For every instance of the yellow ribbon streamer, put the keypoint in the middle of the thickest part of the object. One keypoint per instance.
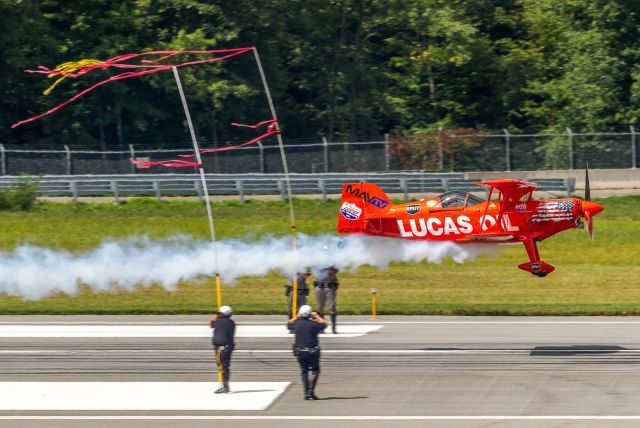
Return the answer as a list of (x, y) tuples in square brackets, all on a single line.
[(68, 68)]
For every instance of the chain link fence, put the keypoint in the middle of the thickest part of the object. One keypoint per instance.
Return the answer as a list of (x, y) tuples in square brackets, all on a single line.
[(451, 153)]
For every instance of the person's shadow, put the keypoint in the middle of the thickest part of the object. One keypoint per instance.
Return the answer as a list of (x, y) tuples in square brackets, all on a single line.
[(252, 390), (342, 398)]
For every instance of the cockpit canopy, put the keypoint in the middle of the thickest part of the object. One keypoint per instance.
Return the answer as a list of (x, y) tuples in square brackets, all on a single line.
[(458, 198)]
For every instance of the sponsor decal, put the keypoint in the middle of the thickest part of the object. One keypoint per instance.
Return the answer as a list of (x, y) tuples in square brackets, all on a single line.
[(350, 211), (521, 208), (506, 224), (487, 222), (413, 209), (461, 225), (535, 266), (553, 211), (434, 226), (492, 205), (376, 201), (353, 191), (487, 219)]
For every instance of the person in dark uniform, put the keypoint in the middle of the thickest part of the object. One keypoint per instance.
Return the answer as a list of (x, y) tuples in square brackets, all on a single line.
[(224, 331), (326, 291), (306, 348), (303, 292)]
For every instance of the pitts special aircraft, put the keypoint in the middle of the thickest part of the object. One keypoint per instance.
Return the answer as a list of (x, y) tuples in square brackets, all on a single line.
[(462, 217)]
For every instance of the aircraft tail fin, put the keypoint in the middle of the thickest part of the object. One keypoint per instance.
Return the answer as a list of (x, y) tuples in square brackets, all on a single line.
[(359, 201)]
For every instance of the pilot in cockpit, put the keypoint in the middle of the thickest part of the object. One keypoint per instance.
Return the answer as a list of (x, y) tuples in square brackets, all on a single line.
[(457, 198)]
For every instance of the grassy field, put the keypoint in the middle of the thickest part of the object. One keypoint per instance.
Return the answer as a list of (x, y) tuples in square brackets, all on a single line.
[(591, 278)]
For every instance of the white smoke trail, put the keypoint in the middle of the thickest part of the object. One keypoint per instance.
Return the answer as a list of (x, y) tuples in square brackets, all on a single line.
[(34, 272)]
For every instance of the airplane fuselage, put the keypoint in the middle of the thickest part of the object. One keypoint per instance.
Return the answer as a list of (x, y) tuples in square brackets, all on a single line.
[(482, 222)]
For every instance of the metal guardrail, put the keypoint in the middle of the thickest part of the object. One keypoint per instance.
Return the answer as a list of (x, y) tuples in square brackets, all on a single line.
[(243, 185)]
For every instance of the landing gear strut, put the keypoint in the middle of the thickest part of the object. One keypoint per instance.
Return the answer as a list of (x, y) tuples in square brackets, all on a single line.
[(535, 265)]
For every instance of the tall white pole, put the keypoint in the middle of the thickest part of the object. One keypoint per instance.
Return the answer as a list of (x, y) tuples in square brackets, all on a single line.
[(205, 190), (285, 168), (633, 146), (570, 142), (507, 142)]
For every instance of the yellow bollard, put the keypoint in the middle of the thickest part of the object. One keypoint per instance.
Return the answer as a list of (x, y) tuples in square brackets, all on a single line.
[(218, 291), (294, 296), (373, 303)]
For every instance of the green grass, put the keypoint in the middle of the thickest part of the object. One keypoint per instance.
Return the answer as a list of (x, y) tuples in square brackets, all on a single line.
[(81, 226), (600, 277)]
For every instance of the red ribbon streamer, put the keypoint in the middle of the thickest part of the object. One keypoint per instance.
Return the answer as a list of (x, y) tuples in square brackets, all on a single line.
[(179, 163), (174, 163), (272, 123), (149, 67)]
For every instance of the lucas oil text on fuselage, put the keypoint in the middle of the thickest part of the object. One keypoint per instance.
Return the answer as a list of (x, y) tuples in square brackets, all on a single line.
[(462, 217)]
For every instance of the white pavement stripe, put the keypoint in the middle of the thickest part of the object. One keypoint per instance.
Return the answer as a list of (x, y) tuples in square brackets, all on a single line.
[(79, 330), (18, 396), (379, 321), (505, 322), (108, 323), (329, 418), (324, 351)]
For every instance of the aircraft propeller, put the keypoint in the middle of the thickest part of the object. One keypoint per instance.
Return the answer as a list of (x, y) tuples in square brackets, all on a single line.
[(589, 209)]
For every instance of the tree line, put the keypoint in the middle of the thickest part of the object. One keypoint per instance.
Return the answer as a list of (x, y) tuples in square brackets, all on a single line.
[(345, 69)]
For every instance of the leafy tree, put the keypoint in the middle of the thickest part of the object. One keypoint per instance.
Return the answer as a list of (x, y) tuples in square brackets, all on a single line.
[(346, 69), (25, 40), (579, 82)]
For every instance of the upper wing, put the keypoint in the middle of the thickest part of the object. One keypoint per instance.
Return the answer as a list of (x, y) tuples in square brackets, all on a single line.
[(508, 187)]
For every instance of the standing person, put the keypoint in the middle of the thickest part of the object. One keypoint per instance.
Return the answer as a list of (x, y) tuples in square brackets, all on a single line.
[(303, 292), (224, 331), (306, 348), (326, 291)]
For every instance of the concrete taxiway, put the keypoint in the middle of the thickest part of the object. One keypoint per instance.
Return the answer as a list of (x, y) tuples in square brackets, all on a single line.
[(140, 371)]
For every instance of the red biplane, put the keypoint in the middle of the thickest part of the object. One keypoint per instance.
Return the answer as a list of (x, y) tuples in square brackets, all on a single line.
[(514, 216)]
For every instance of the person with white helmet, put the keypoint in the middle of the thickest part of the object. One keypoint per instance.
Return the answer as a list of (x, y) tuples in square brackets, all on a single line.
[(224, 331), (306, 326)]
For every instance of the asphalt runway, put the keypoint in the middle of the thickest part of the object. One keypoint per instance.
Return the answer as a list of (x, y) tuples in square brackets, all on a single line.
[(413, 371)]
